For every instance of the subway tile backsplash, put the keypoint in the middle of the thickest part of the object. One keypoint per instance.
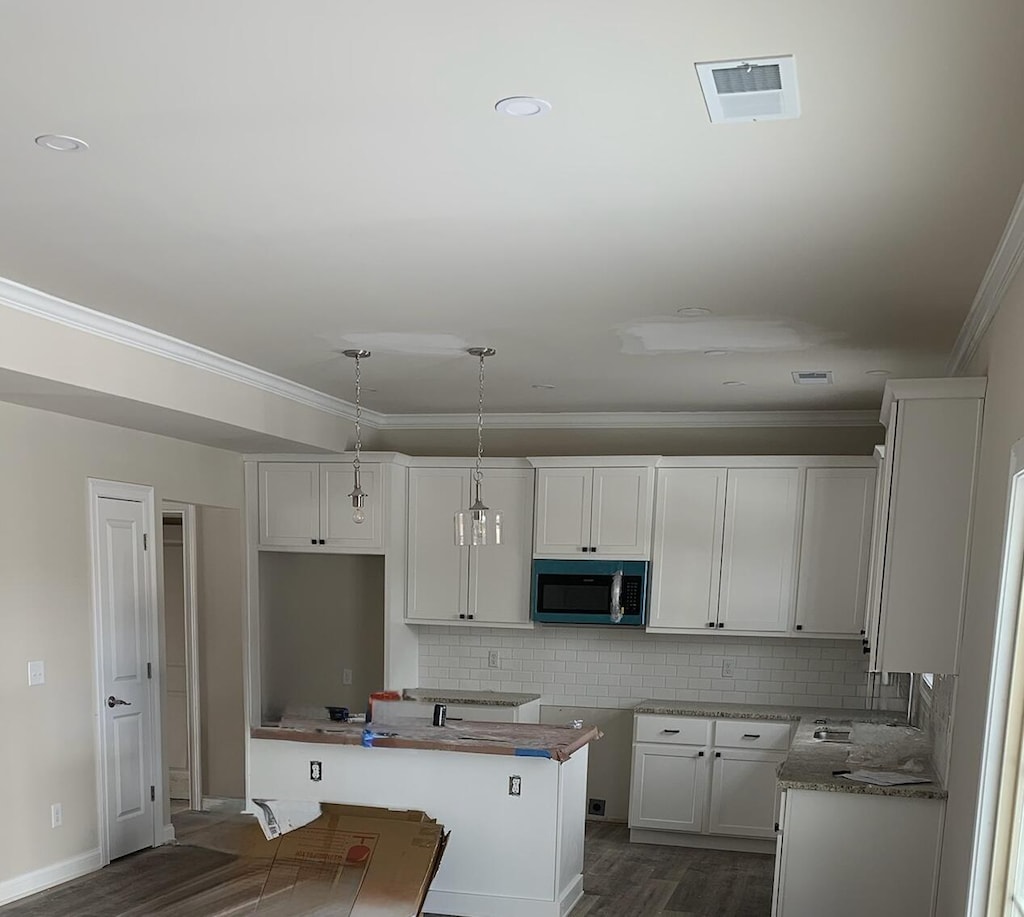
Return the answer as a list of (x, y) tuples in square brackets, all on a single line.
[(588, 667)]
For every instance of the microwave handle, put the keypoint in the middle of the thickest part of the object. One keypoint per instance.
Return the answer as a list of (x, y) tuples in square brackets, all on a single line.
[(615, 605)]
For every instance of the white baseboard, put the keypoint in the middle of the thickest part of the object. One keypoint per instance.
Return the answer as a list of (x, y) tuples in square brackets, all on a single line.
[(463, 904), (223, 804), (708, 842), (40, 879), (169, 836)]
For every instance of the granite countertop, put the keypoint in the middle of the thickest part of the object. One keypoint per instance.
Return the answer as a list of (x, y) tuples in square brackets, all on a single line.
[(880, 741), (470, 698), (517, 739)]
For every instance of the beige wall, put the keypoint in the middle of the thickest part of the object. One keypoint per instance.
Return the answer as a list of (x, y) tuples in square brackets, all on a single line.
[(49, 751), (220, 582), (584, 441), (1001, 359), (320, 614)]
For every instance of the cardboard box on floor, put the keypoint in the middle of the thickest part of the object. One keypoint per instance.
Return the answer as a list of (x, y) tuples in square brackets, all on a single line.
[(352, 861)]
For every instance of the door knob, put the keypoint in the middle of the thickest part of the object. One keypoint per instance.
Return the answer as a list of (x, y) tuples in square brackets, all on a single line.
[(116, 702)]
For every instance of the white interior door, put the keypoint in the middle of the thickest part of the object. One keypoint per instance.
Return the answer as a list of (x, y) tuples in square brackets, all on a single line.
[(124, 614)]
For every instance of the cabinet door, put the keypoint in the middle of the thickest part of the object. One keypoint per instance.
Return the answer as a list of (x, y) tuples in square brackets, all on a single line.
[(669, 787), (872, 604), (761, 512), (621, 512), (744, 793), (289, 504), (688, 525), (438, 578), (562, 526), (499, 576), (336, 525), (835, 542)]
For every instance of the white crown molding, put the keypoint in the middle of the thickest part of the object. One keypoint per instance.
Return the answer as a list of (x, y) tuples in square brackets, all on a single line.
[(1002, 269), (635, 420), (35, 302)]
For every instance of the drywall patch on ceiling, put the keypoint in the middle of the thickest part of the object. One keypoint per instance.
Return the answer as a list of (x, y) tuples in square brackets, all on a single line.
[(424, 344), (737, 334)]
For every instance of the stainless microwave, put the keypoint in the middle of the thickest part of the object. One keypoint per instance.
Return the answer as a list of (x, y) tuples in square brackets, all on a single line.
[(590, 592)]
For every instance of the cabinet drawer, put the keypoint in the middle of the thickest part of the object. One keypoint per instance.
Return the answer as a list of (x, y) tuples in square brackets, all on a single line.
[(753, 734), (673, 730)]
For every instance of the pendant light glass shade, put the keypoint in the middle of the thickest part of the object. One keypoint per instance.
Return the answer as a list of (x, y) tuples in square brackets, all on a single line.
[(358, 495), (478, 525)]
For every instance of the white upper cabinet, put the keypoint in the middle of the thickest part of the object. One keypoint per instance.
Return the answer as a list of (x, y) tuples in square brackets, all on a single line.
[(336, 524), (563, 511), (923, 536), (499, 577), (485, 585), (603, 512), (289, 503), (689, 520), (834, 548), (438, 580), (761, 521), (306, 504)]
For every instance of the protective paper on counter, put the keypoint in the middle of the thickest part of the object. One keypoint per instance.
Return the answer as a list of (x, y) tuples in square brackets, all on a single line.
[(884, 778)]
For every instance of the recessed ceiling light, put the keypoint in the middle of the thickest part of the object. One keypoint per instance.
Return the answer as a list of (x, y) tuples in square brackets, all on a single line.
[(693, 311), (523, 106), (62, 143), (877, 372), (716, 353), (734, 382), (544, 385)]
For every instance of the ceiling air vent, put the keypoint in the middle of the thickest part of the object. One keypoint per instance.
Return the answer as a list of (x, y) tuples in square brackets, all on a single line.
[(755, 89), (813, 377)]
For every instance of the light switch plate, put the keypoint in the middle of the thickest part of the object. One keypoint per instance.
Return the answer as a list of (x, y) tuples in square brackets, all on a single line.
[(346, 676), (36, 673)]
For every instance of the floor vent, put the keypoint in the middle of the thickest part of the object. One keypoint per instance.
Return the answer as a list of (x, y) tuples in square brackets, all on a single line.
[(754, 89)]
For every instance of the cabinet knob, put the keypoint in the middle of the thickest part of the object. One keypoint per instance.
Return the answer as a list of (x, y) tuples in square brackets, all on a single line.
[(799, 627), (776, 827), (718, 754), (593, 549), (312, 541), (322, 541), (721, 623), (470, 617), (462, 616), (584, 550), (700, 754), (867, 649), (711, 623)]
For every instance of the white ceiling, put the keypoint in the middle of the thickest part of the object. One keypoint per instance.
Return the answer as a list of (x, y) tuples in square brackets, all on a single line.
[(271, 180)]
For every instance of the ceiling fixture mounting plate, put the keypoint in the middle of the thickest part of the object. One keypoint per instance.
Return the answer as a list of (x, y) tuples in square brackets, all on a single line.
[(750, 89), (693, 311), (813, 377), (876, 372), (523, 106), (61, 143), (734, 382)]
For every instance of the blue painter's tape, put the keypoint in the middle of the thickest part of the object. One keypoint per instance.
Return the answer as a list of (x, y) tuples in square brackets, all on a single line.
[(368, 736), (532, 753)]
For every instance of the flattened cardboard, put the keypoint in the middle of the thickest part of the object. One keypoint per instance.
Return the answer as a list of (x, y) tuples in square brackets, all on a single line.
[(352, 861)]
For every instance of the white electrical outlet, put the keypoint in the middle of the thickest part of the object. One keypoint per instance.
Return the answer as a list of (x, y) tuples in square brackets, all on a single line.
[(56, 815), (728, 668), (346, 676), (36, 673), (493, 660)]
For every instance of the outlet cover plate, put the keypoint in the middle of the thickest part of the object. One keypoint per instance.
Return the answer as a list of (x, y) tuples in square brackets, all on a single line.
[(493, 659), (728, 668)]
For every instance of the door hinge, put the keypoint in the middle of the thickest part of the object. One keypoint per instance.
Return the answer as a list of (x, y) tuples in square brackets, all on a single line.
[(145, 541), (149, 670), (152, 794)]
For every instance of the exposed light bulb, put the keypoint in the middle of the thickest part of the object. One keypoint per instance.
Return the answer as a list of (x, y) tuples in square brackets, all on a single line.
[(358, 516)]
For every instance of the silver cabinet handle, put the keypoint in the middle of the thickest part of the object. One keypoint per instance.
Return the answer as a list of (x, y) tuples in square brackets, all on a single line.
[(117, 702)]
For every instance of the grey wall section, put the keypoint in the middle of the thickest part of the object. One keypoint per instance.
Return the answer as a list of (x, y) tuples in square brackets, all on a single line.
[(320, 614), (1000, 358), (686, 441), (46, 609), (220, 582)]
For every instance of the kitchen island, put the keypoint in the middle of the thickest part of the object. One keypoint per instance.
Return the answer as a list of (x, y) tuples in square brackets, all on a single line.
[(513, 796)]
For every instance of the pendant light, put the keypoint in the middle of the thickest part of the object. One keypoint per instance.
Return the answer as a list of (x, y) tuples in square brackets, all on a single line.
[(358, 495), (478, 525)]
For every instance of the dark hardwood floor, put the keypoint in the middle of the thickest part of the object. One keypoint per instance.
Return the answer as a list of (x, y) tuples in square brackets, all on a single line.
[(202, 875)]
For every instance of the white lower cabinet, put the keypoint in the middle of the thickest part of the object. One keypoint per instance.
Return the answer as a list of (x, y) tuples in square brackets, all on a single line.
[(669, 787), (847, 855), (699, 776)]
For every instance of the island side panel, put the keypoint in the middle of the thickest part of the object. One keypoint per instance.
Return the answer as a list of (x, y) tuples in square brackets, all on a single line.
[(501, 845), (572, 822)]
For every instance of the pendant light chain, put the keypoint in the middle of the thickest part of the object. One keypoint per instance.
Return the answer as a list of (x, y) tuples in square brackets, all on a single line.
[(359, 410), (478, 475)]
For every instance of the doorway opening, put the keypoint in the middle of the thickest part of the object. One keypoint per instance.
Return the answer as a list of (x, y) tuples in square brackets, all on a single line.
[(183, 709)]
